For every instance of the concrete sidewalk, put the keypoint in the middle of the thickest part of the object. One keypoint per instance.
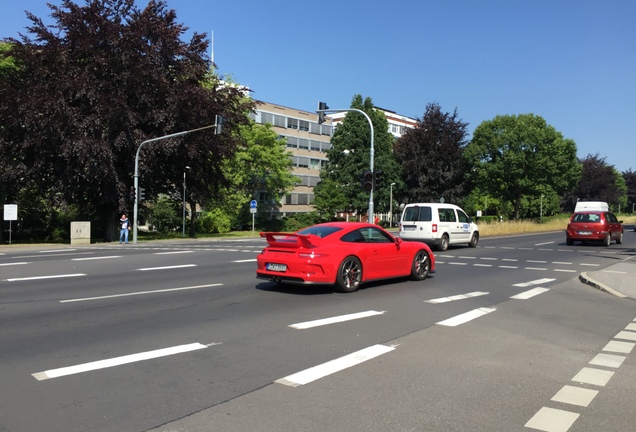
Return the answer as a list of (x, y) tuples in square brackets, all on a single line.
[(618, 279)]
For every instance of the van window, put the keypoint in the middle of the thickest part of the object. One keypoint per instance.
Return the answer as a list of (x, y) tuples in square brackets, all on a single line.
[(447, 215), (417, 214), (463, 218)]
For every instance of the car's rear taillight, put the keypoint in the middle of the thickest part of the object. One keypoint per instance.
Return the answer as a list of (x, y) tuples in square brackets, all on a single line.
[(434, 227)]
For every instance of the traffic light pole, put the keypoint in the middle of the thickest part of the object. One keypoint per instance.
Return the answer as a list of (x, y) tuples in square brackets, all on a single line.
[(370, 212), (136, 179)]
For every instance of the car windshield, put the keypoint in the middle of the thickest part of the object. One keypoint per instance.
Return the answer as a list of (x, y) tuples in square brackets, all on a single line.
[(320, 231)]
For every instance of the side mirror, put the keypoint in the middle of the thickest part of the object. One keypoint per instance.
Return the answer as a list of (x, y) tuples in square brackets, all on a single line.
[(398, 240)]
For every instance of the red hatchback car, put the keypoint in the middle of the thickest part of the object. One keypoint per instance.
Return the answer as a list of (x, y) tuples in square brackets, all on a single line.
[(594, 226), (343, 254)]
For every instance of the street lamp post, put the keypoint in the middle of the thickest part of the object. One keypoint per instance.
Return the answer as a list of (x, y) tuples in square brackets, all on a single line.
[(391, 206), (541, 210), (320, 111), (136, 175), (184, 198)]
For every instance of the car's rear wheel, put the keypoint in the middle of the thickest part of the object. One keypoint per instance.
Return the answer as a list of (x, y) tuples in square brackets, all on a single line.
[(443, 244), (349, 275), (421, 265), (474, 239), (608, 240), (619, 240)]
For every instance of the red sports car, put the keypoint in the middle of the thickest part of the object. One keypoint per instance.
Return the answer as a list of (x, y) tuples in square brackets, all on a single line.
[(343, 254)]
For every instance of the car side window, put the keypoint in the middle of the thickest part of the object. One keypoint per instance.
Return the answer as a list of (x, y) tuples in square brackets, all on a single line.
[(463, 218), (353, 237), (611, 218), (447, 215), (374, 235)]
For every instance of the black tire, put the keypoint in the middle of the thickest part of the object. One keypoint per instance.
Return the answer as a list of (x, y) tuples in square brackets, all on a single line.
[(619, 240), (349, 275), (474, 239), (569, 241), (443, 245), (421, 265), (608, 240)]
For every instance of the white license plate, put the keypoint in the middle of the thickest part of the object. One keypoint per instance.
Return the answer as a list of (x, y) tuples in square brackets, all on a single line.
[(585, 233), (409, 228), (276, 267)]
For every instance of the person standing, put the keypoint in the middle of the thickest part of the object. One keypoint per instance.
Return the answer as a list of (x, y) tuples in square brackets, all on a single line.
[(124, 225)]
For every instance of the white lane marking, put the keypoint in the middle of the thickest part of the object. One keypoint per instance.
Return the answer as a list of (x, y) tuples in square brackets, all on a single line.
[(564, 270), (561, 262), (536, 262), (336, 319), (458, 263), (140, 293), (619, 347), (467, 257), (510, 259), (575, 396), (552, 420), (56, 250), (46, 277), (626, 335), (631, 326), (535, 268), (530, 293), (167, 267), (488, 258), (457, 297), (15, 263), (172, 253), (534, 282), (482, 265), (593, 376), (96, 258), (589, 265), (57, 255), (543, 244), (116, 361), (333, 366), (608, 360), (465, 317), (245, 260), (509, 267)]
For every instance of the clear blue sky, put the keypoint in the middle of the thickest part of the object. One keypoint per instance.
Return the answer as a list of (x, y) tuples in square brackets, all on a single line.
[(572, 62)]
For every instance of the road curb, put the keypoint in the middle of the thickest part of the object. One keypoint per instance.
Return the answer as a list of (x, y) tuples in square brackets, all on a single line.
[(583, 277)]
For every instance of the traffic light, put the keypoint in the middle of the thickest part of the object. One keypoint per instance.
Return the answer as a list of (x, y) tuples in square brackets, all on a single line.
[(142, 194), (321, 115), (377, 179), (218, 122), (132, 193), (367, 181)]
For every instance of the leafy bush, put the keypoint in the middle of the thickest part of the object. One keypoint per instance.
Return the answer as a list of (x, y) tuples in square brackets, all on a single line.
[(214, 221)]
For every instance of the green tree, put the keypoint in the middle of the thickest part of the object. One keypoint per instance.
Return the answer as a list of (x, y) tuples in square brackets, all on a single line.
[(89, 89), (516, 156), (630, 183), (349, 157), (329, 198), (599, 182), (431, 157), (261, 165)]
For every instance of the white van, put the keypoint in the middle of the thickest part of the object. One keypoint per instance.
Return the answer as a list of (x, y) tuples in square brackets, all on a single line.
[(438, 225)]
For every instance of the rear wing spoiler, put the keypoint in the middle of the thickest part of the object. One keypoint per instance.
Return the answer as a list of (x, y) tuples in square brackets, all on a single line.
[(290, 240)]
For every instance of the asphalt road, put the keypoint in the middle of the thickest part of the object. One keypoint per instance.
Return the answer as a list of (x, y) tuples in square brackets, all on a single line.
[(182, 337)]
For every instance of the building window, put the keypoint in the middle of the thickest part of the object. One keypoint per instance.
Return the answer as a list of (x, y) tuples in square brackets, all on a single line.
[(279, 121), (314, 164), (292, 123), (303, 125), (303, 144)]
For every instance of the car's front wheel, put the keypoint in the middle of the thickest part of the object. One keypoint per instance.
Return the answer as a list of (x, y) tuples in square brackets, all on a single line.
[(569, 241), (421, 265), (349, 275), (474, 239)]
